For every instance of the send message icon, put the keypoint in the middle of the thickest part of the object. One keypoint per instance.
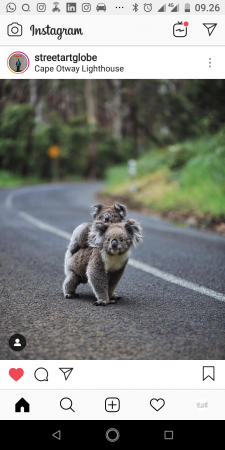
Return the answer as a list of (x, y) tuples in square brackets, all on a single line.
[(209, 372)]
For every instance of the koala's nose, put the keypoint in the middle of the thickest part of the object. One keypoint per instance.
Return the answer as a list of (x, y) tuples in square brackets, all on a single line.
[(106, 217), (114, 243)]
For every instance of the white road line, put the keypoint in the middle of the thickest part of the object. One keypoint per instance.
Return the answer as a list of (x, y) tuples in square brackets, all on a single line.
[(8, 201), (132, 262), (44, 226), (176, 280)]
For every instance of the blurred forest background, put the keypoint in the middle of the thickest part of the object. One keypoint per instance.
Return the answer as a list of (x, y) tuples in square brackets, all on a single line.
[(174, 129)]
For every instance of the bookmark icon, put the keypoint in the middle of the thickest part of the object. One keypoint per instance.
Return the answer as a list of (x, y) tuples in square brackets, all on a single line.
[(209, 372)]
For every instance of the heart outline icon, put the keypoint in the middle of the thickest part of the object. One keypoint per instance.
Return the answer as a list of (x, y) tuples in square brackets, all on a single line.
[(157, 400), (16, 374)]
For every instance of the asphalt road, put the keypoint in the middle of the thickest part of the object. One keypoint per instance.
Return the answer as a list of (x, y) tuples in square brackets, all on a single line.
[(156, 319)]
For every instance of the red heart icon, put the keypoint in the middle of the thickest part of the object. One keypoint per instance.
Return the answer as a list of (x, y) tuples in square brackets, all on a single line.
[(16, 374)]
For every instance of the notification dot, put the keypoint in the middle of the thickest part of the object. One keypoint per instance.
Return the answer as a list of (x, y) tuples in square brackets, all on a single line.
[(186, 24)]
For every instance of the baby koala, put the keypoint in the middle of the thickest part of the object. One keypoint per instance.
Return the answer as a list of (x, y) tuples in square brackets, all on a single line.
[(107, 214), (102, 265)]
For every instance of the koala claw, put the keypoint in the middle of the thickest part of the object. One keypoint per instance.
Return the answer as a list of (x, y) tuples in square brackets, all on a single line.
[(98, 303), (101, 303), (116, 297), (71, 295)]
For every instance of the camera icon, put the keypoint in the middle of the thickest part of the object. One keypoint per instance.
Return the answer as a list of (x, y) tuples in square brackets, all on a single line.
[(14, 29), (86, 7), (41, 7)]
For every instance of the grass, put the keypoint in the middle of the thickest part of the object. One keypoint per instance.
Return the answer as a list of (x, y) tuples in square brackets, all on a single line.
[(7, 179), (188, 177)]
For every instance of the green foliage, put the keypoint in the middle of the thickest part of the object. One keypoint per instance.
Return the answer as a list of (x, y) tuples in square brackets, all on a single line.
[(75, 137), (44, 136), (163, 124), (189, 177), (7, 179), (110, 151), (16, 127)]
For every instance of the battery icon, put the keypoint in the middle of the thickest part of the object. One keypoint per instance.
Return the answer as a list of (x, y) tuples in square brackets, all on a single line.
[(187, 7)]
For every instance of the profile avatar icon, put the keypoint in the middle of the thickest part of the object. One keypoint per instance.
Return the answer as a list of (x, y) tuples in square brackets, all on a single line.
[(17, 342), (18, 62)]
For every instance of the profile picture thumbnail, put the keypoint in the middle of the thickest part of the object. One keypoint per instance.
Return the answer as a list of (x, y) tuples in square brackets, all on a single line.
[(18, 62)]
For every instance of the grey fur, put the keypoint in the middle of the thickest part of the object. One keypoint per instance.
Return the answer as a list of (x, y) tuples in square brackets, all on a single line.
[(96, 209), (102, 266), (122, 210), (79, 239)]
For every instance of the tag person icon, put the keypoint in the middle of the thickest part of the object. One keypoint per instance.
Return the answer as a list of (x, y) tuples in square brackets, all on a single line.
[(17, 342)]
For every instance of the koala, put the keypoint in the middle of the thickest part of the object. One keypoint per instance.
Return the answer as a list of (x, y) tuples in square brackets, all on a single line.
[(102, 265), (106, 214)]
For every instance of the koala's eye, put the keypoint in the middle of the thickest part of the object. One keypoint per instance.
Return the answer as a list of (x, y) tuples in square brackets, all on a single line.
[(108, 239), (121, 239)]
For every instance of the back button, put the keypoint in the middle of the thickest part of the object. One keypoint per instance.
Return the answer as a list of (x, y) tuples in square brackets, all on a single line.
[(57, 435)]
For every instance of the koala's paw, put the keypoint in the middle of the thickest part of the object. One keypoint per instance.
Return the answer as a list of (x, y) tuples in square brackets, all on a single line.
[(71, 295), (101, 303), (116, 297)]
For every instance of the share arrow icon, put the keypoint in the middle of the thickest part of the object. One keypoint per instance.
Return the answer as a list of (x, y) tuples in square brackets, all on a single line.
[(66, 372), (210, 27)]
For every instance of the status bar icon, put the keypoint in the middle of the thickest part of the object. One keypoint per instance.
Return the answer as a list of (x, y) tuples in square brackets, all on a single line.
[(187, 7), (176, 9), (163, 9)]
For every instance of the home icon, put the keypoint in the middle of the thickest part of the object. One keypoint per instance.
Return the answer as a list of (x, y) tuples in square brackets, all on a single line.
[(22, 405)]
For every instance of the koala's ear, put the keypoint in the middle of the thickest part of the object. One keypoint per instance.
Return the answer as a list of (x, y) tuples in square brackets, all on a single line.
[(96, 210), (121, 209), (96, 233), (135, 230)]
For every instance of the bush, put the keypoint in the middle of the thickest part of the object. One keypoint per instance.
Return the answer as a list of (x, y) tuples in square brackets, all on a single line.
[(16, 128)]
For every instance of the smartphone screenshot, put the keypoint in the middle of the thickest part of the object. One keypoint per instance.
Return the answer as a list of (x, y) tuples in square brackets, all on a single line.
[(112, 223)]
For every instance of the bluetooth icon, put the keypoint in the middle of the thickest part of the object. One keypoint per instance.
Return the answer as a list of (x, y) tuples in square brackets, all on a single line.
[(135, 7)]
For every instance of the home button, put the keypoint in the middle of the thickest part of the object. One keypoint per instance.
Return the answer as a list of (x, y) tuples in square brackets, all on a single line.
[(112, 435), (22, 404)]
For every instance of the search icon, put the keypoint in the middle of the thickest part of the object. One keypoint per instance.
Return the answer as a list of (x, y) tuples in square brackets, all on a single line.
[(26, 7), (41, 374), (66, 403)]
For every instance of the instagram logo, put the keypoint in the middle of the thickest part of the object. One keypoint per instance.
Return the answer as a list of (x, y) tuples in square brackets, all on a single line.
[(86, 7), (41, 7)]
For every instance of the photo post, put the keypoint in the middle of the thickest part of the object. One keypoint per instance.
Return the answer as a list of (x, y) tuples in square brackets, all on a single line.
[(112, 219)]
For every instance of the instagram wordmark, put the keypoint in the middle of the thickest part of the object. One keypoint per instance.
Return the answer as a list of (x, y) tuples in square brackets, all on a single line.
[(49, 31)]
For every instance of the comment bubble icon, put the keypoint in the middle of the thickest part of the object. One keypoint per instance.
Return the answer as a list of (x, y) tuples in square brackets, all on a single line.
[(41, 374)]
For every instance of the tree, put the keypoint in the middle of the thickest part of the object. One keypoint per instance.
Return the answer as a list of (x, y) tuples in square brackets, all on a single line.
[(92, 123)]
